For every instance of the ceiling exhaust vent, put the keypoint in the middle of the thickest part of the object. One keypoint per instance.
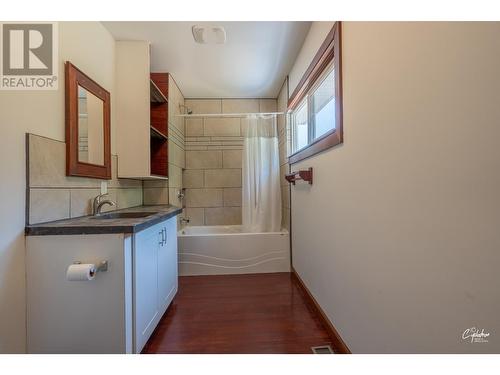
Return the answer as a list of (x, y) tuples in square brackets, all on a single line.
[(209, 34), (325, 349)]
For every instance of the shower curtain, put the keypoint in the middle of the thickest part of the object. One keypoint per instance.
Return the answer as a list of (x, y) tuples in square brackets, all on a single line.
[(261, 204)]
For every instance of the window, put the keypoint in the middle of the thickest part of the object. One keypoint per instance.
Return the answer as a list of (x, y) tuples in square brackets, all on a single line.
[(315, 115), (323, 106), (300, 129), (315, 106)]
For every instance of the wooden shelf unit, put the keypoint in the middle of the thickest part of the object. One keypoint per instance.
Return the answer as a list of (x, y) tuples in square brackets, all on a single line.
[(155, 133), (159, 124), (157, 95)]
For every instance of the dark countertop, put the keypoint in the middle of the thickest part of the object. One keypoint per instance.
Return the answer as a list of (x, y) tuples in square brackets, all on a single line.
[(91, 225)]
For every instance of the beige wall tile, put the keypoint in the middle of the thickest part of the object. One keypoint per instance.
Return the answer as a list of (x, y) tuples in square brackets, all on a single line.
[(176, 154), (268, 105), (236, 140), (204, 105), (194, 127), (155, 195), (282, 153), (283, 172), (232, 197), (285, 196), (282, 100), (281, 127), (240, 105), (174, 176), (81, 201), (47, 165), (234, 147), (285, 218), (155, 183), (196, 148), (203, 159), (223, 178), (173, 197), (196, 216), (49, 205), (204, 198), (193, 178), (232, 158), (128, 198), (175, 98), (47, 168), (220, 126), (174, 132), (244, 126), (223, 216)]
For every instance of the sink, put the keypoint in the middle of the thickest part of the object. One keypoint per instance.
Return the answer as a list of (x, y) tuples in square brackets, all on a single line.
[(124, 215)]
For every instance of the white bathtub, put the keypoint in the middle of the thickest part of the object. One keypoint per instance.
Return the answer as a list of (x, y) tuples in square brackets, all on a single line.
[(223, 250)]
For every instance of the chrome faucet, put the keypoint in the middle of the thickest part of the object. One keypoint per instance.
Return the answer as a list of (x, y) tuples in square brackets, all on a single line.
[(184, 220), (98, 203)]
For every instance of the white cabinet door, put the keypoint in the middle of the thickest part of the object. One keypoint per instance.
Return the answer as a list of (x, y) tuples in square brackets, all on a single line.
[(167, 266), (146, 311)]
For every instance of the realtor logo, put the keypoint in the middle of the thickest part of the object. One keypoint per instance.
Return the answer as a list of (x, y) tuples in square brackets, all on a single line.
[(28, 56)]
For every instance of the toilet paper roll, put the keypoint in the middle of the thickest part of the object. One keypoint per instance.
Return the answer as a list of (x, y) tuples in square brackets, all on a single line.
[(81, 272)]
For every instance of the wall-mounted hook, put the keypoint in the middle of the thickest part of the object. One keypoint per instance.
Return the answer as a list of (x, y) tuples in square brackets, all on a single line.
[(305, 175)]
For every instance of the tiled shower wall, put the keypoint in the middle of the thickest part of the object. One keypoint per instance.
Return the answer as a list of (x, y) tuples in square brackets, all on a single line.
[(51, 195), (163, 192), (212, 177)]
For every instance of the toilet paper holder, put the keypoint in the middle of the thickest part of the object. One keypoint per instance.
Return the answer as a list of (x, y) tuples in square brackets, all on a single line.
[(101, 267)]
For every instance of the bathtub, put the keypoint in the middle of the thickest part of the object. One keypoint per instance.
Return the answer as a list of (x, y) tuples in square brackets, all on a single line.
[(224, 250)]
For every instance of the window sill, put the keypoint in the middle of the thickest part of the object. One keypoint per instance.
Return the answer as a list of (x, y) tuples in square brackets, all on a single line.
[(323, 143)]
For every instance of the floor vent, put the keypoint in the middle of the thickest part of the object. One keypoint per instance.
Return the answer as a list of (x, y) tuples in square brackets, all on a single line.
[(325, 349)]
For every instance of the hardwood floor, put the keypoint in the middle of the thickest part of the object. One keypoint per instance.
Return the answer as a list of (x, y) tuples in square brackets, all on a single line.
[(258, 313)]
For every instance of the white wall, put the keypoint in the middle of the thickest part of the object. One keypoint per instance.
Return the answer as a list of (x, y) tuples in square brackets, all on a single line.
[(316, 36), (398, 238), (91, 48)]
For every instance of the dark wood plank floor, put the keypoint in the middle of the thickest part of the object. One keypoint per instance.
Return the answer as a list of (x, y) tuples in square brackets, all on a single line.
[(258, 313)]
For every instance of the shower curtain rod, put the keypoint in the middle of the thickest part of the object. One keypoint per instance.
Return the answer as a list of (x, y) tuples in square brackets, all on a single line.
[(229, 114)]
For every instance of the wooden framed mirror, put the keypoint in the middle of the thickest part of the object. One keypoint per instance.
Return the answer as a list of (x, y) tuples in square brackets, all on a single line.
[(88, 132)]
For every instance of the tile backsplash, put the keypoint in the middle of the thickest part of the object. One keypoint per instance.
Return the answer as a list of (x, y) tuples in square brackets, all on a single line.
[(51, 195)]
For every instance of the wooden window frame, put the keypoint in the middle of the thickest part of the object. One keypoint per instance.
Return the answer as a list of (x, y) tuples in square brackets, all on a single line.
[(330, 50)]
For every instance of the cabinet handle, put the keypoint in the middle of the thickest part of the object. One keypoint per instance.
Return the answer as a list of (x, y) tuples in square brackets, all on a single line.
[(165, 229), (162, 238)]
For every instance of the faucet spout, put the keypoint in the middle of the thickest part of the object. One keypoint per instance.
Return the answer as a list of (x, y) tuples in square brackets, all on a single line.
[(98, 203), (102, 203)]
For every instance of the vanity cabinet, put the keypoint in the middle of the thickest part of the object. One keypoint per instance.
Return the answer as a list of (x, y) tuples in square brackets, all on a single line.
[(117, 311), (155, 277)]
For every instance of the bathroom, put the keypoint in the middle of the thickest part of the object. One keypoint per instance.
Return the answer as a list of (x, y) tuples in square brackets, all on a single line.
[(249, 187)]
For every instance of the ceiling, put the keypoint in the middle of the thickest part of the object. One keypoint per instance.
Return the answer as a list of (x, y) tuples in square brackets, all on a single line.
[(253, 62)]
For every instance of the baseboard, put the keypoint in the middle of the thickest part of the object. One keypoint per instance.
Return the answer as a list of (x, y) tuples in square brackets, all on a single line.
[(339, 345)]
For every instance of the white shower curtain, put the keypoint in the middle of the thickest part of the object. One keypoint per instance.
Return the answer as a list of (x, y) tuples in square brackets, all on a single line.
[(261, 205)]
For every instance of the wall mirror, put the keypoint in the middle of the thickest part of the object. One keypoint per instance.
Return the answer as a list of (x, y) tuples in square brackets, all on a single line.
[(88, 148)]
